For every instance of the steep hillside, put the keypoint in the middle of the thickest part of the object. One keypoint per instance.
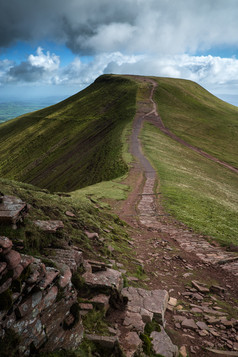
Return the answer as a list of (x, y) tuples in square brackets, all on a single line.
[(74, 143), (198, 117)]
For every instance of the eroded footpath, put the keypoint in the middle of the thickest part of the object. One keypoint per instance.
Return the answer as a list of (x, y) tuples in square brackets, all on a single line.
[(200, 277)]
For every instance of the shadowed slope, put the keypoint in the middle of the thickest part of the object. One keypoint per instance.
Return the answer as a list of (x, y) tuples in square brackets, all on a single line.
[(74, 143)]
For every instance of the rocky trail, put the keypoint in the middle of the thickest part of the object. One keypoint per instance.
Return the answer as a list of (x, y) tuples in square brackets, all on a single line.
[(200, 277)]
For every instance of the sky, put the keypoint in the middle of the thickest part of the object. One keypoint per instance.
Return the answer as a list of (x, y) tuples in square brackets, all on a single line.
[(58, 47)]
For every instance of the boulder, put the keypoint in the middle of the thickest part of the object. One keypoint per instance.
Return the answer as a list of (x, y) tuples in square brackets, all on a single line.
[(109, 278), (154, 301), (12, 258), (162, 344), (131, 344)]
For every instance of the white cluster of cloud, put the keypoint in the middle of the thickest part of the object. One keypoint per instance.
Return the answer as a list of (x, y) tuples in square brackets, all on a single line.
[(44, 68)]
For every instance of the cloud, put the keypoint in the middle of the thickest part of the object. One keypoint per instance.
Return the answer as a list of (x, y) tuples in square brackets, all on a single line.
[(129, 26), (44, 68), (40, 67)]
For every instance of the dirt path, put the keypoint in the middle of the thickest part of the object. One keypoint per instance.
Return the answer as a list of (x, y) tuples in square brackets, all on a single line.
[(173, 256)]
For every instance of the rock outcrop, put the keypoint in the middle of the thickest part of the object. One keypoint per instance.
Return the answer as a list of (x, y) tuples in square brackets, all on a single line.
[(38, 300)]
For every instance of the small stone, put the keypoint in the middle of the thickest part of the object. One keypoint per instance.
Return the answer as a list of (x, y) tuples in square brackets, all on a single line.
[(200, 287), (172, 301), (85, 306), (6, 244), (183, 351), (203, 333), (189, 324), (196, 309), (202, 325), (177, 325), (193, 350), (91, 235), (197, 296), (50, 226), (69, 214), (217, 289)]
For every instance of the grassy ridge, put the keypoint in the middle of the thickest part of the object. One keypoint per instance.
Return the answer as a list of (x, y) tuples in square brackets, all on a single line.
[(198, 192), (74, 143), (198, 117)]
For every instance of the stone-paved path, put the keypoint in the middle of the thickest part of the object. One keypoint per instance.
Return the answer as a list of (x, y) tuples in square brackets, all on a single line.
[(147, 207)]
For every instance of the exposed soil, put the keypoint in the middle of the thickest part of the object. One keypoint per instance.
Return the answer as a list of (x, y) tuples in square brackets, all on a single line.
[(173, 255)]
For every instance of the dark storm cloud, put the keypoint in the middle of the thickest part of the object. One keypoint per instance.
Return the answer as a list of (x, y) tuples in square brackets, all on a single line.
[(94, 26), (25, 72)]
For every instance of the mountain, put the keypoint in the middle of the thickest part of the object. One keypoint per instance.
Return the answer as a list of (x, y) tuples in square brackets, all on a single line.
[(150, 166), (74, 143)]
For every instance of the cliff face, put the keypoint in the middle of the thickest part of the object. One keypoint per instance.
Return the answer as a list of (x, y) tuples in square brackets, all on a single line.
[(38, 302)]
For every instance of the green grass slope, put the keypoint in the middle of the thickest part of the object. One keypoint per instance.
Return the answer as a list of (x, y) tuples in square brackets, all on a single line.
[(198, 117), (74, 143), (198, 192)]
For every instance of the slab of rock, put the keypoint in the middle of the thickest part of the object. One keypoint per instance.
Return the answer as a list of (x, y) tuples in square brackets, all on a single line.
[(49, 226), (50, 275), (104, 341), (200, 287), (65, 275), (101, 301), (37, 271), (162, 344), (217, 289), (70, 257), (154, 301), (202, 325), (132, 344), (189, 324), (223, 353), (12, 210), (97, 266), (133, 321), (104, 279)]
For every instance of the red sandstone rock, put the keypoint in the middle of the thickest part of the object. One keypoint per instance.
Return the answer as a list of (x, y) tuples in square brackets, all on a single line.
[(37, 271), (5, 285), (49, 226), (2, 266), (70, 257), (91, 235), (106, 279), (13, 258), (6, 244), (101, 301), (65, 275), (70, 214), (26, 260), (50, 275), (17, 271)]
